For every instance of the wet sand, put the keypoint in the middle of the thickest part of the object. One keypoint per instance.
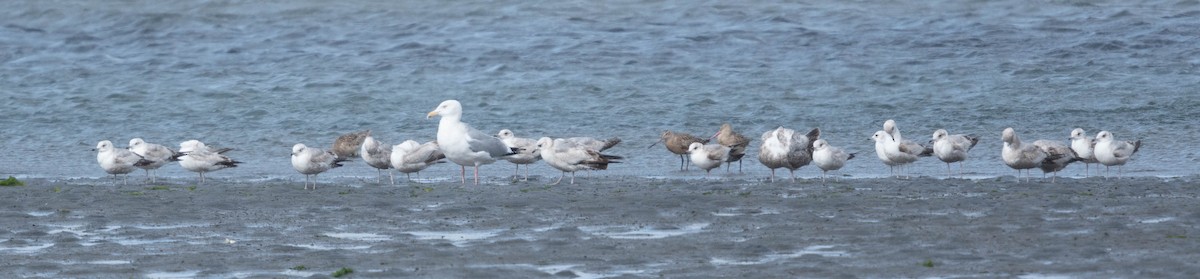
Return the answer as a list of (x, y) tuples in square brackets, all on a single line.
[(604, 227)]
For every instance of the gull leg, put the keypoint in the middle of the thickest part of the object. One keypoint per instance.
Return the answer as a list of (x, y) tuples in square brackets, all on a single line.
[(476, 174), (793, 172), (463, 174), (572, 178), (560, 178)]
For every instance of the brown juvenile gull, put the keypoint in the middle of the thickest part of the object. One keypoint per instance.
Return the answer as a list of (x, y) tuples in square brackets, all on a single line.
[(737, 144), (1020, 156), (1058, 156), (567, 157), (784, 148), (678, 143), (1110, 152)]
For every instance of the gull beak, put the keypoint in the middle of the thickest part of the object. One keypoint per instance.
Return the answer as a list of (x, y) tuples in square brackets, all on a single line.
[(431, 114)]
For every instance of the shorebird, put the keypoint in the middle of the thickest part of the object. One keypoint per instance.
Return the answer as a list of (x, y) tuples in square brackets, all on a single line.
[(347, 146), (737, 144), (708, 156), (678, 143)]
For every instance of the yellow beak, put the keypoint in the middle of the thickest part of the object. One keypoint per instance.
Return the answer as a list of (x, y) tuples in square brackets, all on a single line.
[(431, 114)]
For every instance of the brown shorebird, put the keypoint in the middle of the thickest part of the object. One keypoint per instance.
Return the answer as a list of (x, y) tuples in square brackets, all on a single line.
[(678, 143), (737, 144), (347, 146)]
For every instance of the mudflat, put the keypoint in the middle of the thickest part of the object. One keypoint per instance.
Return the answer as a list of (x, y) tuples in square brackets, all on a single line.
[(604, 226)]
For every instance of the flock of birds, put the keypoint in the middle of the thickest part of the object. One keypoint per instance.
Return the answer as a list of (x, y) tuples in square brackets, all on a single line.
[(461, 144)]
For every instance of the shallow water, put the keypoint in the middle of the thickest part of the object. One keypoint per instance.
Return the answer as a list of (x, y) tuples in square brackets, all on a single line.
[(261, 77)]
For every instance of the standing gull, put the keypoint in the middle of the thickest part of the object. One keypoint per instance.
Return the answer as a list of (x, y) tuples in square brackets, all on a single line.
[(952, 148), (409, 157), (567, 156), (311, 161), (904, 151), (1058, 155), (783, 148), (1083, 147), (347, 146), (527, 151), (708, 156), (117, 161), (377, 155), (463, 144), (737, 144), (678, 143), (157, 154), (1020, 156), (1110, 152), (828, 157), (593, 143), (201, 159)]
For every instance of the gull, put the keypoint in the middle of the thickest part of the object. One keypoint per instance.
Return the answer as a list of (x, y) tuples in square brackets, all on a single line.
[(737, 144), (828, 157), (192, 145), (897, 154), (1058, 156), (904, 151), (118, 161), (347, 146), (1110, 152), (952, 148), (783, 148), (527, 151), (158, 155), (708, 156), (1020, 156), (593, 143), (377, 155), (567, 156), (409, 157), (311, 161), (201, 159), (463, 144), (678, 143), (1083, 147)]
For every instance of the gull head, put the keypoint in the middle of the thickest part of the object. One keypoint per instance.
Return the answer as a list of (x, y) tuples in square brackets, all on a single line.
[(505, 134), (820, 144), (135, 142), (1104, 136), (446, 108), (940, 134), (1078, 134), (881, 136), (696, 146), (103, 146), (545, 143), (1009, 135), (296, 149)]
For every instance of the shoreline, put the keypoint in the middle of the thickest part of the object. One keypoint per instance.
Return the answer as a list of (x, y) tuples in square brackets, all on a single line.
[(617, 227)]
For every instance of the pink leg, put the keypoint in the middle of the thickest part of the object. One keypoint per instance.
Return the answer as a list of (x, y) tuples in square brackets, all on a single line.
[(463, 174)]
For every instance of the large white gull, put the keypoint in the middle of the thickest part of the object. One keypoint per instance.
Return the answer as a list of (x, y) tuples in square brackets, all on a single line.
[(311, 161), (463, 144), (952, 148), (1110, 152), (157, 154), (116, 161)]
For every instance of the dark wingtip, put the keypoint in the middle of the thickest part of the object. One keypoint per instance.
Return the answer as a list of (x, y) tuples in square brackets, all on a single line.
[(851, 156)]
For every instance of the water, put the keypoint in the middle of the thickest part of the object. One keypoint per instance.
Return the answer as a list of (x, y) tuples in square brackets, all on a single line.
[(261, 77)]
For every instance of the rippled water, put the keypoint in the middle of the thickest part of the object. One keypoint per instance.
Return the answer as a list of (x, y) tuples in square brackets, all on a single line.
[(261, 76)]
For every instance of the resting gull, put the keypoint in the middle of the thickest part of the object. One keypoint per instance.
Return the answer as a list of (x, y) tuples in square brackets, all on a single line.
[(567, 156), (311, 161), (199, 158), (117, 161), (737, 144), (409, 157), (1020, 156), (1083, 147), (377, 155), (157, 154), (526, 149), (708, 156), (1110, 152), (828, 157), (784, 148), (952, 148)]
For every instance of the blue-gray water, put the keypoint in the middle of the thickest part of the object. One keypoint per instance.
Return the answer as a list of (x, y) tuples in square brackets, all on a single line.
[(262, 76)]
